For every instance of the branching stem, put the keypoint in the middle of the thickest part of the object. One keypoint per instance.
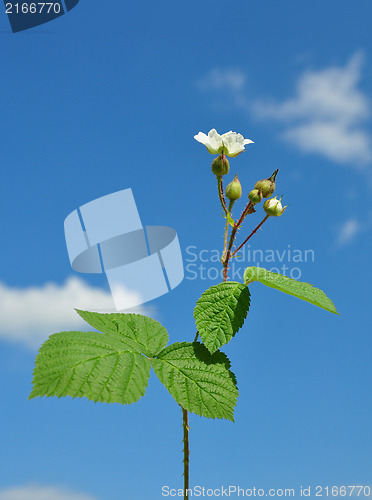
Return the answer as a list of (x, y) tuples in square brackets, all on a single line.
[(249, 209), (250, 236)]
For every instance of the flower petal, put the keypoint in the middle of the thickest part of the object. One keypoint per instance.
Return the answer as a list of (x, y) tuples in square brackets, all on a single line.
[(233, 142), (212, 141), (201, 137), (215, 142)]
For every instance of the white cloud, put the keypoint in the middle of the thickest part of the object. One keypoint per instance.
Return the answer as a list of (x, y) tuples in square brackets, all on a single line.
[(223, 79), (348, 231), (333, 141), (34, 492), (30, 315), (327, 114)]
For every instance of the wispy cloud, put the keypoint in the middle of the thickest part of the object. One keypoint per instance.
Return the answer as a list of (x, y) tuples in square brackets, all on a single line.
[(33, 492), (348, 231), (30, 315), (327, 114), (230, 79)]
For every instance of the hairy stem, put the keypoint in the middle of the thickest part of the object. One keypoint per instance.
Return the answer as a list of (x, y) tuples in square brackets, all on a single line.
[(226, 230), (249, 209), (186, 453), (250, 236), (220, 195)]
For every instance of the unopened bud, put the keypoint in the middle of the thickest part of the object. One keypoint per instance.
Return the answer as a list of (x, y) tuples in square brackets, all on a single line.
[(267, 186), (220, 165), (234, 189), (274, 207), (255, 196)]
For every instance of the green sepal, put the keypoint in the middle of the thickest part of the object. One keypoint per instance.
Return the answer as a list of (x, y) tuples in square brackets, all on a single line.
[(229, 219)]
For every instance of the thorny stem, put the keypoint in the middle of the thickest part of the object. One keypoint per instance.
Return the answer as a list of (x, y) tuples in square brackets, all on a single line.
[(226, 230), (220, 194), (186, 454), (250, 236), (249, 209)]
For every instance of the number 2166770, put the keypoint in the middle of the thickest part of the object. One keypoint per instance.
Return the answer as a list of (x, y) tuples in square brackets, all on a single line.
[(343, 491), (33, 8)]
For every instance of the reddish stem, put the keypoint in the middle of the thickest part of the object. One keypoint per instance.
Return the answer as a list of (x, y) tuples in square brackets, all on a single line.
[(250, 236), (249, 209)]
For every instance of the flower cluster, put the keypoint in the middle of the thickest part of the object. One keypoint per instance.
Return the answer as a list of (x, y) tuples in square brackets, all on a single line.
[(232, 144)]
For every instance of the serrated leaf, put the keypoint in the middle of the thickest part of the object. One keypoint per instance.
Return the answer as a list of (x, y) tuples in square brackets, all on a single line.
[(299, 289), (150, 334), (220, 312), (200, 382), (101, 367)]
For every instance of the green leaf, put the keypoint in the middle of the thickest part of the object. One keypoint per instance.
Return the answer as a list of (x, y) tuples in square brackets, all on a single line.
[(229, 219), (151, 335), (301, 290), (101, 367), (200, 382), (220, 312)]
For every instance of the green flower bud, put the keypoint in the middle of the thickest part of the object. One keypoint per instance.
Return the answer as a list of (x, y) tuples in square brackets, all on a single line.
[(234, 189), (274, 207), (220, 165), (255, 196), (267, 186)]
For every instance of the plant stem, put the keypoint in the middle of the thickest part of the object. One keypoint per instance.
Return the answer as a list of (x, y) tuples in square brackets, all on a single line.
[(220, 194), (249, 209), (250, 236), (226, 230), (186, 454)]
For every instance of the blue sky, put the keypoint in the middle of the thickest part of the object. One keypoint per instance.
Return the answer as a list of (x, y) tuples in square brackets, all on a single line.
[(109, 97)]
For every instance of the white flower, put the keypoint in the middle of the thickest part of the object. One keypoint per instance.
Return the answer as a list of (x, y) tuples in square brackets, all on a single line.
[(234, 143), (230, 143)]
